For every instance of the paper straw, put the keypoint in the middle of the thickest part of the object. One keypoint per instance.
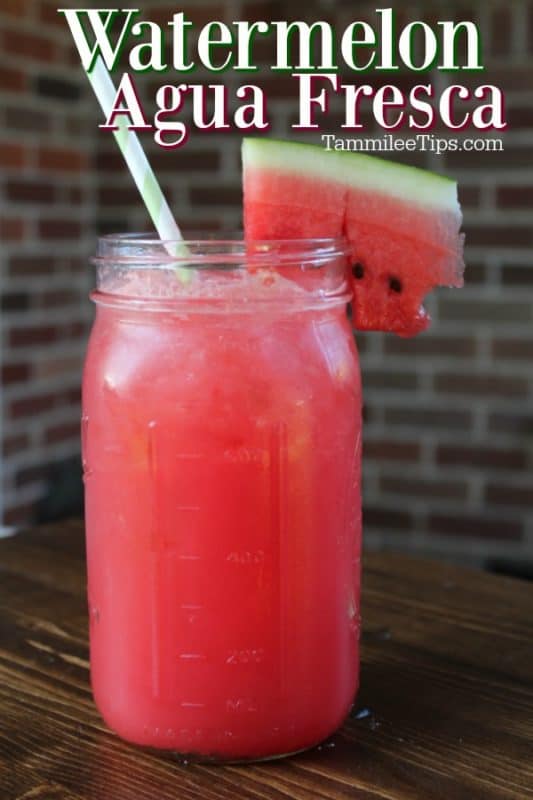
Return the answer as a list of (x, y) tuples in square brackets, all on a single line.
[(137, 162)]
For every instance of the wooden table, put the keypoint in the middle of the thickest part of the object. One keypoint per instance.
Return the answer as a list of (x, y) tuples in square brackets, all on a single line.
[(444, 712)]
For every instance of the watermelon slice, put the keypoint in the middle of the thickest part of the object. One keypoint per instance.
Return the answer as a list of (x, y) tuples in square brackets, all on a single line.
[(402, 223)]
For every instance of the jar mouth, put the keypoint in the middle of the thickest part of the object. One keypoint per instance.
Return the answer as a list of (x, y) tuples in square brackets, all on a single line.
[(138, 250), (229, 273)]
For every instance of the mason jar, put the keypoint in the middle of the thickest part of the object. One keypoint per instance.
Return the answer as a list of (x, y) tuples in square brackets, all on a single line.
[(221, 446)]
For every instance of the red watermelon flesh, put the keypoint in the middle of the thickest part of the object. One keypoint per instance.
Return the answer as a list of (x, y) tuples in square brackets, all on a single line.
[(402, 223), (278, 207), (399, 253)]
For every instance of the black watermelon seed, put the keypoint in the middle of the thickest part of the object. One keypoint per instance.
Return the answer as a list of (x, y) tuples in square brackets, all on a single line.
[(395, 285), (358, 270)]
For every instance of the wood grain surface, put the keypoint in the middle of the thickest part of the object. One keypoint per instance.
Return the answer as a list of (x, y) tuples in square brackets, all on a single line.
[(444, 712)]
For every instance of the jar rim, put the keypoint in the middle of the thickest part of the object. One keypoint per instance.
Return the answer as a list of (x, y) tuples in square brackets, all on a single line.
[(128, 249)]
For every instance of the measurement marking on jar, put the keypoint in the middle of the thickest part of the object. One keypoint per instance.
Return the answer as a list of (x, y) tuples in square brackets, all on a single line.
[(245, 557), (190, 607), (245, 455), (246, 656), (245, 704), (186, 557), (188, 455), (192, 656), (186, 704), (187, 508)]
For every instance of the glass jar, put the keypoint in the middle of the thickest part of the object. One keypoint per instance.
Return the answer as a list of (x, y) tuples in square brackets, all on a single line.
[(221, 444)]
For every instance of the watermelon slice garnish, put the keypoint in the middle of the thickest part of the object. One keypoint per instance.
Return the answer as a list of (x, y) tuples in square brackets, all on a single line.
[(402, 223)]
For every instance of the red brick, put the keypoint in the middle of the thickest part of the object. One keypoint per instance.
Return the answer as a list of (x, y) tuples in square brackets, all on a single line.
[(14, 444), (404, 80), (57, 88), (515, 196), (469, 196), (501, 23), (110, 160), (48, 14), (12, 155), (421, 488), (472, 384), (430, 418), (216, 195), (369, 413), (519, 156), (44, 334), (72, 397), (475, 273), (387, 379), (29, 475), (517, 423), (461, 309), (111, 224), (21, 514), (516, 77), (378, 517), (75, 195), (505, 495), (35, 404), (391, 450), (119, 196), (335, 119), (12, 80), (62, 158), (186, 160), (29, 191), (71, 58), (76, 126), (11, 229), (431, 345), (63, 432), (59, 229), (27, 119), (199, 15), (73, 330), (30, 46), (15, 301), (520, 117), (200, 226), (77, 265), (282, 86), (16, 8), (57, 365), (57, 298), (33, 335), (264, 10), (517, 274), (31, 265), (263, 52), (475, 527), (495, 235), (482, 456), (513, 349), (14, 373)]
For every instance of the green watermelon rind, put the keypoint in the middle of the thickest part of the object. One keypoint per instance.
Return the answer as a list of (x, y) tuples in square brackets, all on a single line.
[(353, 169)]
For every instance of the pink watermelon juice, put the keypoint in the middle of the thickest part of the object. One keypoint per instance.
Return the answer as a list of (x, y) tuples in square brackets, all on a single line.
[(222, 460)]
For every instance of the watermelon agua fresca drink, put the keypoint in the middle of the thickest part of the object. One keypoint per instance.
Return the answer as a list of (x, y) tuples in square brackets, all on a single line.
[(221, 439)]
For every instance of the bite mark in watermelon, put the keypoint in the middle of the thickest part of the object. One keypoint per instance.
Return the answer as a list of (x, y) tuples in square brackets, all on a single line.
[(402, 223)]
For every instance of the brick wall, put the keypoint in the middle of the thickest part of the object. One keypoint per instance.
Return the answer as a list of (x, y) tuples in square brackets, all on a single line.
[(449, 416), (47, 232)]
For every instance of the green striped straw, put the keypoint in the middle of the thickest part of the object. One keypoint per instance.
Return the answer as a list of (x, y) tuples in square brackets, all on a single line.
[(141, 171)]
